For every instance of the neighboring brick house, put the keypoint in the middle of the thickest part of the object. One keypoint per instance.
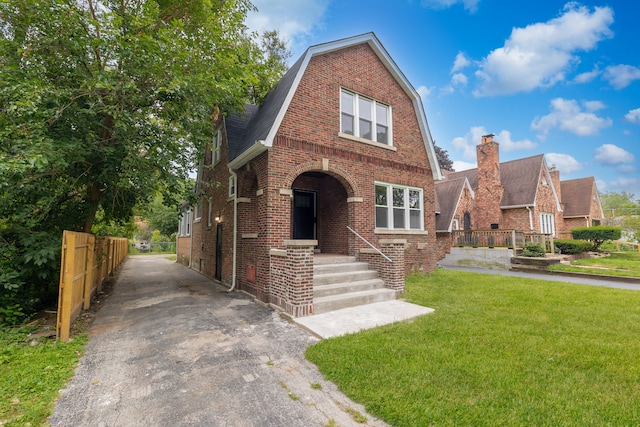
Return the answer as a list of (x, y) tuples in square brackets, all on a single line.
[(341, 143), (523, 194)]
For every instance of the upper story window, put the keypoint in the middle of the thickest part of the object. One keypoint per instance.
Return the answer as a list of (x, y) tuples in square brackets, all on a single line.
[(399, 207), (365, 118)]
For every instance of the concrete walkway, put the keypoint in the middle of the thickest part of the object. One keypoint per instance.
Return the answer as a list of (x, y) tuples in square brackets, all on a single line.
[(171, 348)]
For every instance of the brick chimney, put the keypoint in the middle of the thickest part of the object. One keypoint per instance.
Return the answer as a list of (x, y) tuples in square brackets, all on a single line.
[(490, 189), (555, 177)]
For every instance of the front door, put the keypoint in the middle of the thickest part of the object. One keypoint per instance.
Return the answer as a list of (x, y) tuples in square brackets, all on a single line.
[(304, 215)]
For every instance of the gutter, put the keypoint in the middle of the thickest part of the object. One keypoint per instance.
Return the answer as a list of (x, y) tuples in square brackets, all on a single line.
[(251, 153), (235, 231), (530, 218)]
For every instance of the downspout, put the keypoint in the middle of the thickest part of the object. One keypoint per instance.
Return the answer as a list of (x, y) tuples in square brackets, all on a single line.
[(235, 229), (190, 239), (530, 218)]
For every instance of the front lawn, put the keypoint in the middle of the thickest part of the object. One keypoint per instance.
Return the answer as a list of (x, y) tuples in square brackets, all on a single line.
[(32, 371), (496, 351), (616, 264)]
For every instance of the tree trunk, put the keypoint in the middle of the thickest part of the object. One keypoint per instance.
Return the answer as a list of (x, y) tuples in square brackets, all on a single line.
[(93, 200)]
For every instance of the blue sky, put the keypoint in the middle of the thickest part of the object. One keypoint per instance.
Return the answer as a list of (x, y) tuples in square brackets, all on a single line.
[(553, 77)]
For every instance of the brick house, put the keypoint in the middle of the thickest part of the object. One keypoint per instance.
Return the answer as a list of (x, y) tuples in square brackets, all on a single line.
[(523, 194), (337, 166)]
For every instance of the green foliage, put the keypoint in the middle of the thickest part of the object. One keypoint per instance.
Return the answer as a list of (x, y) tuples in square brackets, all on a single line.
[(103, 103), (597, 235), (31, 374), (625, 264), (631, 226), (571, 247), (532, 249), (619, 203)]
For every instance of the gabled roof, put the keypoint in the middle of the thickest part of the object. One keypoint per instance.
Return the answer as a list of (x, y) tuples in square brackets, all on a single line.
[(448, 195), (262, 123), (576, 196), (518, 177)]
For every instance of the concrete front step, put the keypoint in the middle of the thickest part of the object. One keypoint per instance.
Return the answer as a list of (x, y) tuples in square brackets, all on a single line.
[(351, 299), (347, 276), (343, 288), (339, 267), (332, 259)]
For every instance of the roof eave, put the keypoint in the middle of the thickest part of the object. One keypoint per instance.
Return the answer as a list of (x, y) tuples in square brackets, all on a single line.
[(254, 151)]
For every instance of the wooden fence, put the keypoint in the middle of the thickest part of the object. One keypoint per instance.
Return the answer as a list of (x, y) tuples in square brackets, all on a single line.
[(500, 238), (86, 262)]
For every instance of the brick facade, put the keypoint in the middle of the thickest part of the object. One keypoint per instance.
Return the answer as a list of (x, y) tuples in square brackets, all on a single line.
[(308, 153)]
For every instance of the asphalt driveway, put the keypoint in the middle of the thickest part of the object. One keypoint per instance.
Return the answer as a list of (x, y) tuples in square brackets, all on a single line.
[(172, 348)]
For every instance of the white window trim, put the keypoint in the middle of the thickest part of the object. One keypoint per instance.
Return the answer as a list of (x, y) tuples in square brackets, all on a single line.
[(197, 212), (215, 147), (456, 224), (232, 186), (185, 223), (374, 122), (209, 213), (407, 209), (547, 223)]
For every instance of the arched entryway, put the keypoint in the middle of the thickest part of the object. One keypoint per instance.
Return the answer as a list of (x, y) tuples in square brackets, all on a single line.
[(320, 211)]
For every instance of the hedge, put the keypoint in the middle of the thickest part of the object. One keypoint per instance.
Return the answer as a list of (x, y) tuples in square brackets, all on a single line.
[(571, 247), (597, 235)]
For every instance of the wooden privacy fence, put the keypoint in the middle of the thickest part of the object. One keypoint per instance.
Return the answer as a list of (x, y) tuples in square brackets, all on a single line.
[(87, 261), (500, 238)]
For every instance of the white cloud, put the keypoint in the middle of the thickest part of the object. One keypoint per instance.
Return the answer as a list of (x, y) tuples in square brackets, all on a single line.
[(424, 92), (588, 76), (459, 165), (621, 76), (612, 155), (567, 115), (633, 116), (564, 162), (296, 20), (460, 62), (470, 5), (459, 79), (540, 54), (630, 185), (467, 143)]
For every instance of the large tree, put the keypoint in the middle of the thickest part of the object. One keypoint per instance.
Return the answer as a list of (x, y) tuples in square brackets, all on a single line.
[(103, 100)]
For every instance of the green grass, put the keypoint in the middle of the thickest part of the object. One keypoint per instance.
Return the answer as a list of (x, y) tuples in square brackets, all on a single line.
[(626, 264), (496, 351), (31, 374)]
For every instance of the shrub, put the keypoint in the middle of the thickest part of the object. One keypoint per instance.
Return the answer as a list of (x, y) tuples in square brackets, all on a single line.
[(597, 235), (532, 249), (571, 247)]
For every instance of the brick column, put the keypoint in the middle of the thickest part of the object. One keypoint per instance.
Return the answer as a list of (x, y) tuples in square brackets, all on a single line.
[(393, 273), (292, 277)]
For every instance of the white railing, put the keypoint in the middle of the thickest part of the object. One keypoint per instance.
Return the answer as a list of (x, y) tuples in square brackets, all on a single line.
[(367, 242)]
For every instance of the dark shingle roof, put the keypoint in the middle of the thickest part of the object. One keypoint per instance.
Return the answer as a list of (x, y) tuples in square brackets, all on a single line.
[(447, 196), (576, 196), (518, 177), (258, 120)]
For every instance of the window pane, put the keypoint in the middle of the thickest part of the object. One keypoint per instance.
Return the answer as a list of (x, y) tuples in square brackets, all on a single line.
[(381, 195), (381, 134), (381, 115), (346, 102), (414, 220), (347, 123), (414, 199), (382, 220), (365, 108), (365, 129), (398, 218), (398, 197)]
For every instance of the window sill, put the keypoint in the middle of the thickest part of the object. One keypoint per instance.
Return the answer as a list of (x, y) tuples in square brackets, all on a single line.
[(367, 141), (197, 220), (387, 231)]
